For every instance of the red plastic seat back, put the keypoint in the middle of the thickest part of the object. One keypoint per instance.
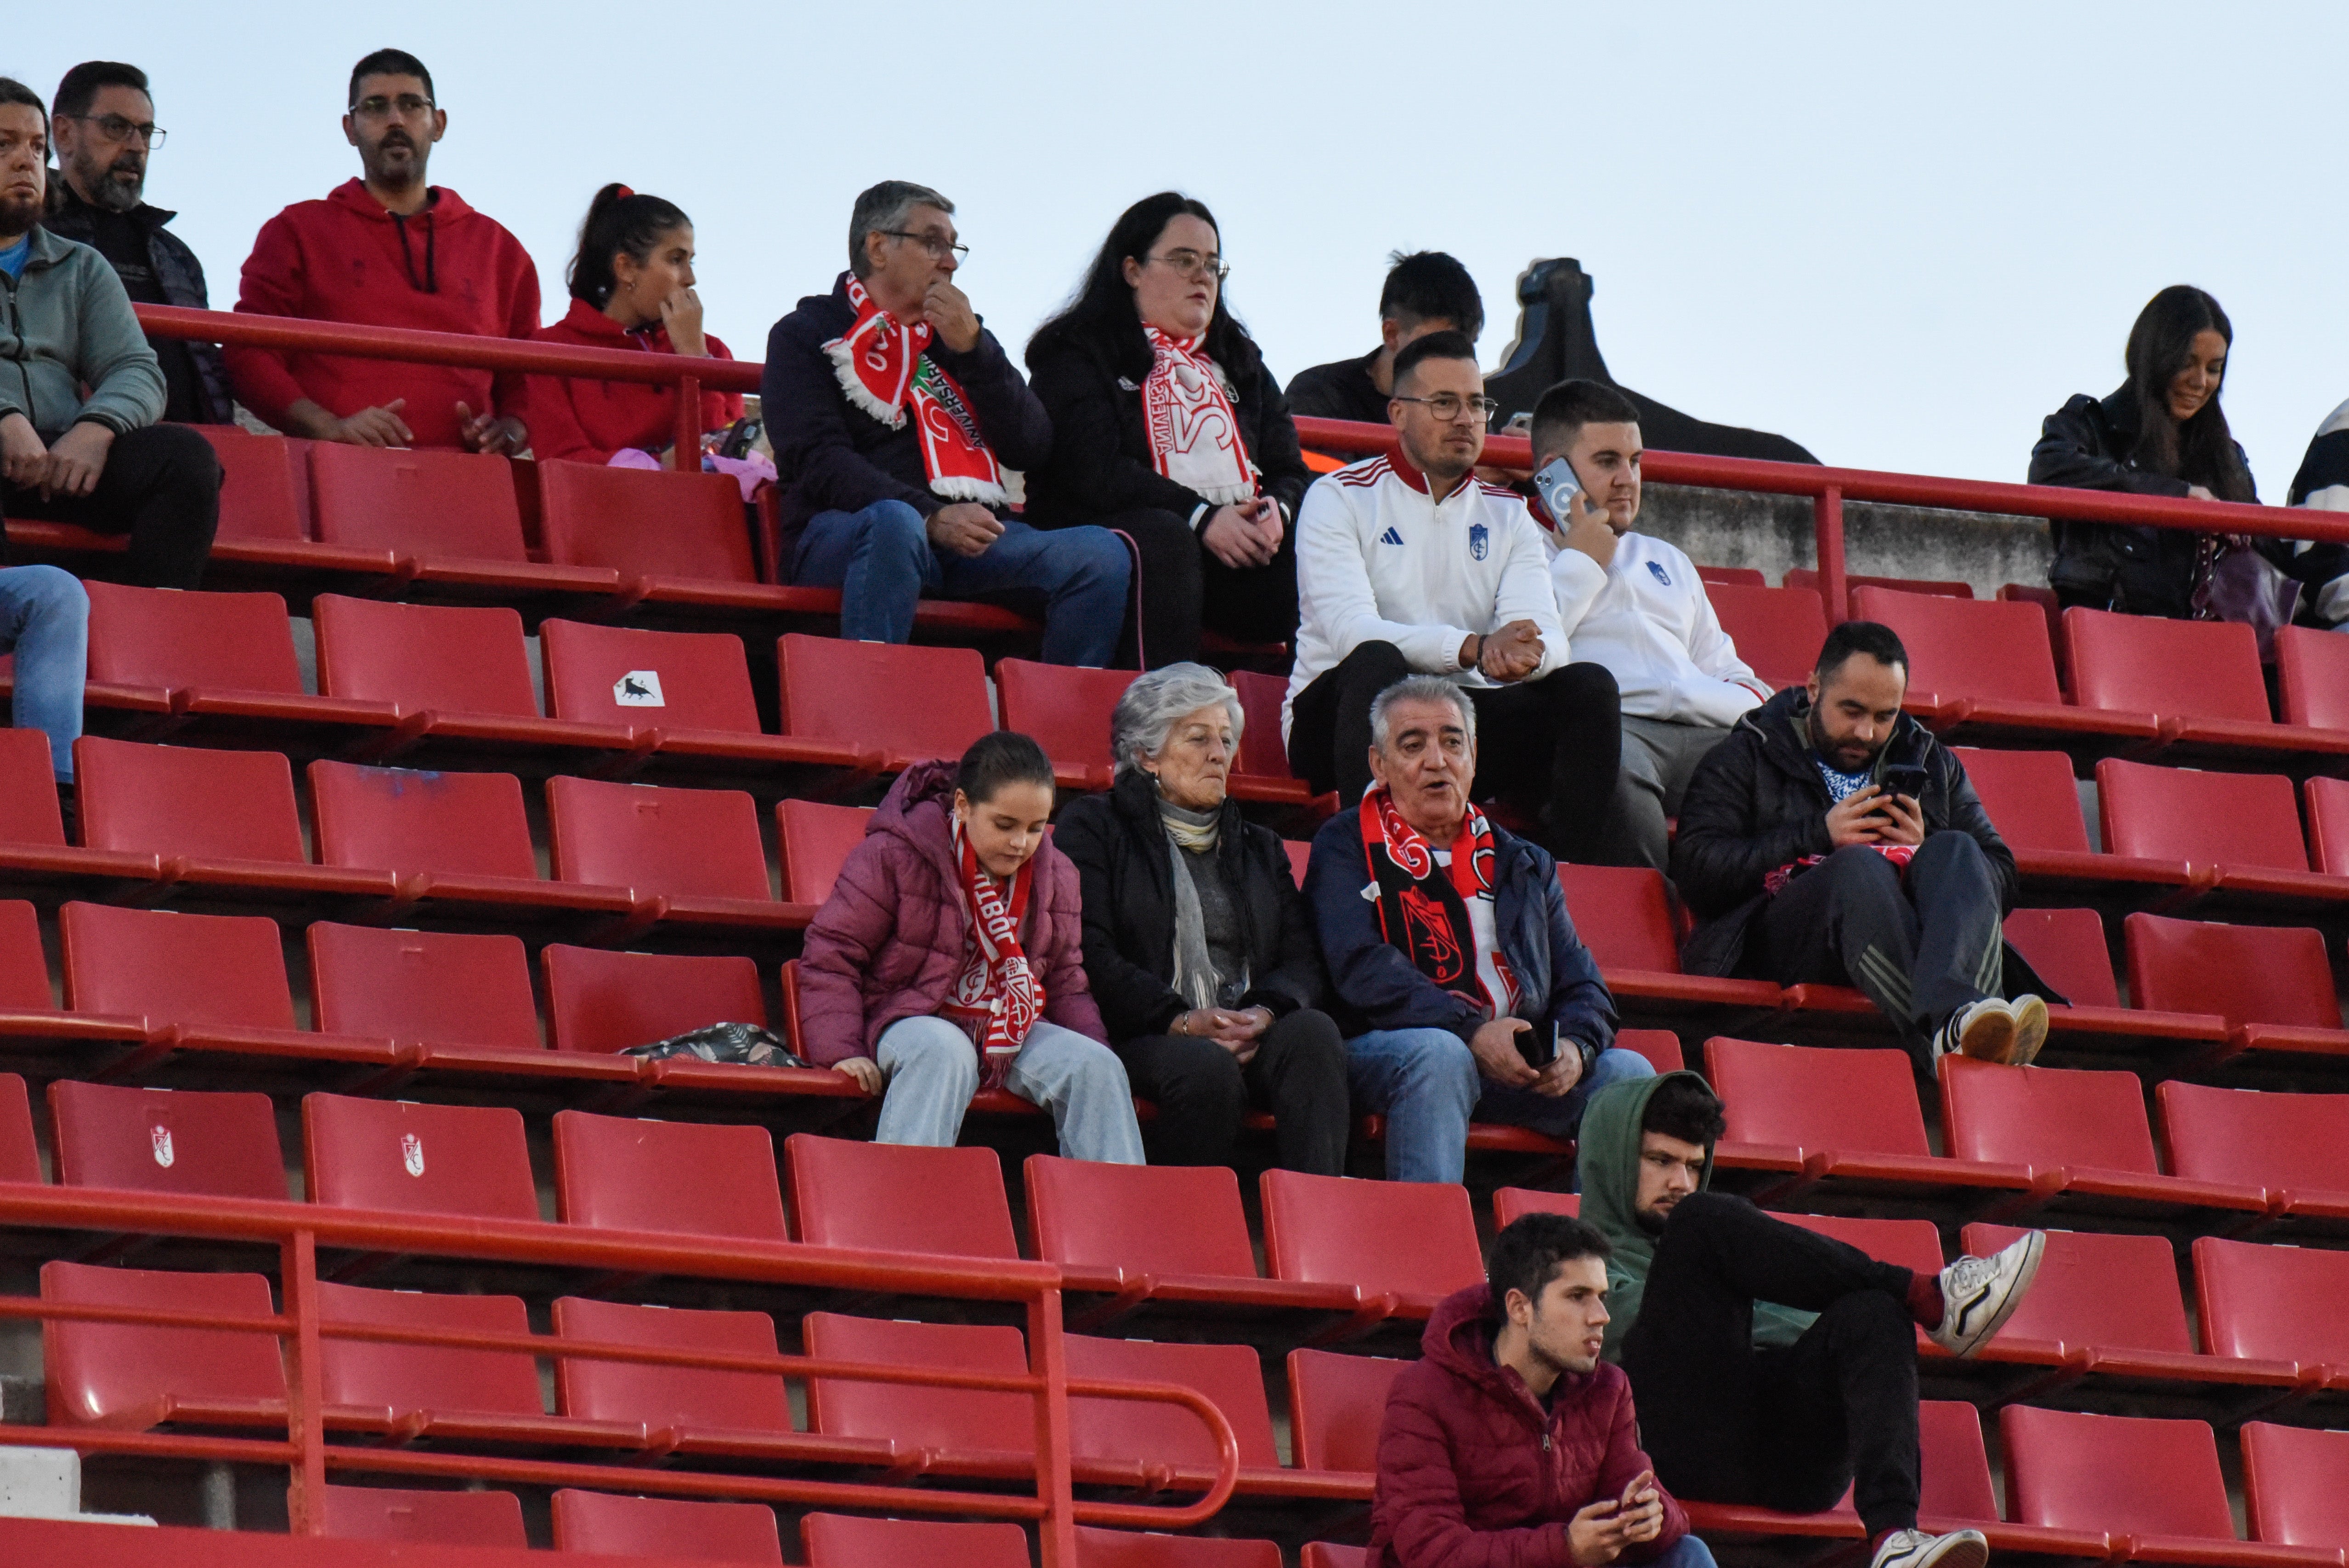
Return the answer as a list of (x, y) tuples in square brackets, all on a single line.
[(2031, 797), (1328, 1554), (2313, 678), (1066, 709), (2285, 1142), (919, 1417), (126, 1375), (1263, 753), (430, 987), (443, 1379), (2296, 1482), (1732, 576), (1981, 648), (163, 1140), (605, 1524), (685, 843), (1157, 1433), (2045, 1118), (1956, 1467), (423, 658), (847, 1541), (2123, 1475), (633, 1392), (20, 1154), (1777, 631), (1336, 1405), (618, 1173), (1661, 1047), (2114, 1292), (1300, 855), (410, 820), (1511, 1204), (642, 523), (413, 1518), (259, 497), (898, 1196), (647, 680), (182, 800), (1914, 1245), (1818, 1098), (1134, 1549), (28, 797), (1624, 915), (603, 1000), (1160, 1220), (2237, 820), (2328, 821), (910, 702), (1407, 1237), (424, 1159), (2245, 974), (1938, 587), (23, 970), (225, 970), (2271, 1303), (812, 841), (170, 638), (416, 504), (2066, 947), (2179, 669)]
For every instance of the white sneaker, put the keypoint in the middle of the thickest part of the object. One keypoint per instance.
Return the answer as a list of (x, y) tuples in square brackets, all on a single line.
[(1979, 1295), (1915, 1549), (2030, 1029), (1984, 1030)]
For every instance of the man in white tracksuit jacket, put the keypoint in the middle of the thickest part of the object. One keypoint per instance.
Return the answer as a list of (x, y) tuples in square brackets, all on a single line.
[(1635, 604)]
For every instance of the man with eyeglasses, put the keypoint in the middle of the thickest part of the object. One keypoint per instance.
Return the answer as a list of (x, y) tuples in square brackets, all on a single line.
[(1409, 565), (894, 416), (388, 249), (103, 120)]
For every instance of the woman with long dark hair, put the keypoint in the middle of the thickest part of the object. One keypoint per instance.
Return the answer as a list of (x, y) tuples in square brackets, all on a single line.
[(1167, 427), (2162, 433)]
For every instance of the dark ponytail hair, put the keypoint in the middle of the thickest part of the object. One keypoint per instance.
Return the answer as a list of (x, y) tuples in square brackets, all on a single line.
[(2201, 451), (618, 220), (1102, 312), (1001, 757)]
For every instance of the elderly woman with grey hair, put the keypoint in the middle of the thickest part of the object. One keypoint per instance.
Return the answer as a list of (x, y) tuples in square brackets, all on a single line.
[(1198, 945)]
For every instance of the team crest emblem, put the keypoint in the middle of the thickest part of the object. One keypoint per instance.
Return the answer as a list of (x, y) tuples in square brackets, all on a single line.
[(162, 1139), (1480, 541), (1657, 568), (411, 1153)]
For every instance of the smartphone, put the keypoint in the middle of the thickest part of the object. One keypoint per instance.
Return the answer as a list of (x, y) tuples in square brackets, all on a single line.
[(1906, 779), (1558, 487), (1539, 1051)]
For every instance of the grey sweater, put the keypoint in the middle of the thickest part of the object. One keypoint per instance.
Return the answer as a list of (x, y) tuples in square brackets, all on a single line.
[(68, 324)]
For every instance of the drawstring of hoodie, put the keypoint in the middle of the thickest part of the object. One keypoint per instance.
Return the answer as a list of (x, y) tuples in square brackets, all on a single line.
[(431, 283)]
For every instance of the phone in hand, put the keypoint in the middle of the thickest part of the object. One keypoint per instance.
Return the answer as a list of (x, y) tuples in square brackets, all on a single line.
[(1906, 779), (1537, 1049), (1638, 1483), (1558, 487)]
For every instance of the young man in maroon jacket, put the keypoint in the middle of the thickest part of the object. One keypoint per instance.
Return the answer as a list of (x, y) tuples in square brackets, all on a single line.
[(1510, 1443)]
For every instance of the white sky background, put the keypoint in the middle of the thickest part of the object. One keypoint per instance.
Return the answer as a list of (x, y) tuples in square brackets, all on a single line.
[(1902, 239)]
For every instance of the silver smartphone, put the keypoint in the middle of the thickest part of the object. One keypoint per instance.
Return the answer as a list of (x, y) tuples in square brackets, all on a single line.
[(1558, 487)]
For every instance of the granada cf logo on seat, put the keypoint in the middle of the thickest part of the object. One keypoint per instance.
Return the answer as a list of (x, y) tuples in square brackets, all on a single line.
[(411, 1153), (162, 1139)]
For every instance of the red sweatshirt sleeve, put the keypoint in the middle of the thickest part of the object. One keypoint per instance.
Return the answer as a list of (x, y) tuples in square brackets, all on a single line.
[(272, 284), (1624, 1461), (1418, 1505)]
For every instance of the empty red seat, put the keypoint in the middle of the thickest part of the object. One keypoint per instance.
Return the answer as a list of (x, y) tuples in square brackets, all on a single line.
[(645, 524), (696, 853), (913, 703), (899, 1198), (1511, 1204), (1827, 1110), (1263, 753), (1132, 1431), (2118, 1295), (2123, 1475), (28, 798), (223, 818), (697, 1400), (424, 987), (1067, 712), (2272, 1303), (439, 1385), (1415, 1242), (1628, 919), (602, 1524), (2066, 947), (260, 499), (670, 681), (446, 837), (163, 1140), (846, 1541), (2031, 797), (602, 1001), (1777, 631), (1733, 576), (953, 1420), (2239, 829), (2272, 984), (2312, 677), (2328, 822), (131, 1377), (1985, 665), (425, 1158), (2201, 679), (1336, 1405), (451, 673), (1914, 1245), (1135, 1549), (198, 971), (1661, 1047), (1944, 588), (2296, 1482), (812, 841), (416, 502), (20, 1156), (158, 649), (2294, 1145), (408, 1517), (619, 1172)]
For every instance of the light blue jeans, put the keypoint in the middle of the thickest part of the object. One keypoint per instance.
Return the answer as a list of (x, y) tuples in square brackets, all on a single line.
[(45, 621), (881, 560), (933, 1071), (1425, 1083), (1688, 1551)]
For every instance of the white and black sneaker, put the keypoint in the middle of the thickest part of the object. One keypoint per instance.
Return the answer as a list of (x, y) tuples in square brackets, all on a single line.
[(1985, 1030), (1979, 1295), (2030, 1029), (1915, 1549)]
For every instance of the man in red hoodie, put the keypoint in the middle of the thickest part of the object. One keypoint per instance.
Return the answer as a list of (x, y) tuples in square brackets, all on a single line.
[(1509, 1443), (388, 250)]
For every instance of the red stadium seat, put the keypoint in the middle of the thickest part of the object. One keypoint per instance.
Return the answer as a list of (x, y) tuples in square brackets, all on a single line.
[(2272, 984), (2296, 1482), (679, 694), (2239, 831), (2034, 803), (619, 1172), (2328, 823), (2066, 946), (1661, 1047), (130, 1376), (2294, 1145), (161, 1140), (1943, 588), (1821, 1113), (1129, 1431), (961, 1422), (1777, 631), (812, 841), (198, 971), (688, 1408), (163, 650), (423, 987), (2151, 1480), (1627, 917), (692, 857), (1134, 1549), (1511, 1204), (412, 1517), (844, 1540), (28, 798), (1328, 1554), (899, 1198), (603, 1001), (1914, 1245), (2049, 605), (1986, 666), (1336, 1404), (2312, 677), (1300, 855), (1067, 711), (2277, 1303), (1413, 1243), (2201, 679), (913, 703), (260, 499), (422, 1158), (600, 1524), (20, 1155), (447, 517), (658, 529), (435, 1388), (1263, 753), (1732, 576)]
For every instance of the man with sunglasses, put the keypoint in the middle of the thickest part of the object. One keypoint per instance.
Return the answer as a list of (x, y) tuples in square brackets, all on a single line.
[(388, 249), (104, 123), (1409, 565)]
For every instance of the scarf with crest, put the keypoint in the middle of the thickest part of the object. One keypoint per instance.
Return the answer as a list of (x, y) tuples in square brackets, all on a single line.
[(1423, 907), (996, 997), (883, 370), (1186, 412)]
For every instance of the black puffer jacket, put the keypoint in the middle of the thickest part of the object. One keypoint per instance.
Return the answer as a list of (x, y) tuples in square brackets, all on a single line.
[(1757, 803), (1118, 846)]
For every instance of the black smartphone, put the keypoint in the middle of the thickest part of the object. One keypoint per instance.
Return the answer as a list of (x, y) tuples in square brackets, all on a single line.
[(1905, 778), (1538, 1049)]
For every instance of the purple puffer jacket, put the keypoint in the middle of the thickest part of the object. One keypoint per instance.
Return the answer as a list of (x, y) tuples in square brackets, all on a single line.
[(887, 943)]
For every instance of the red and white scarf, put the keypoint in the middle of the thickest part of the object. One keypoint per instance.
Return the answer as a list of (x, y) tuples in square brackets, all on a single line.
[(1187, 411), (1424, 909), (883, 370), (996, 997)]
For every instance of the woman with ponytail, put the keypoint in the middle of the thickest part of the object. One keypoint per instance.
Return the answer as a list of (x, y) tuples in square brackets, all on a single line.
[(631, 287)]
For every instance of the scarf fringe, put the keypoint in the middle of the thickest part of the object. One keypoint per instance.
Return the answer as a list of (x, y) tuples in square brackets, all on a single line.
[(962, 487), (844, 370)]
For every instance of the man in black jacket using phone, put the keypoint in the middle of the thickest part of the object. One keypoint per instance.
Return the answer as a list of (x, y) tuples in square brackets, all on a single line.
[(1831, 840)]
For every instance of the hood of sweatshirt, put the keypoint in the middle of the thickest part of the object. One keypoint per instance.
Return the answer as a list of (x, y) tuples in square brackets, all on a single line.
[(420, 232), (1608, 1160), (919, 808)]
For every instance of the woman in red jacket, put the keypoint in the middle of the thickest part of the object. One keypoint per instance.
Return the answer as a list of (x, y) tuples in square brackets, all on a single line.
[(631, 287)]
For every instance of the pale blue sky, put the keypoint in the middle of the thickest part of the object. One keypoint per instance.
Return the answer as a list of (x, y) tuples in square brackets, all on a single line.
[(1901, 239)]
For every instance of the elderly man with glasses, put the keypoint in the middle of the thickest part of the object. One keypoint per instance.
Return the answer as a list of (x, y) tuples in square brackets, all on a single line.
[(896, 419), (1410, 564)]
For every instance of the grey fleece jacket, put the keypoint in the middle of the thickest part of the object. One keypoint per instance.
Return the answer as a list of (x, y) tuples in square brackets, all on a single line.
[(66, 325)]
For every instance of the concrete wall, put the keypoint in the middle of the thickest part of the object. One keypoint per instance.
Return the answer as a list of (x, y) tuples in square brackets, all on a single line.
[(1771, 533)]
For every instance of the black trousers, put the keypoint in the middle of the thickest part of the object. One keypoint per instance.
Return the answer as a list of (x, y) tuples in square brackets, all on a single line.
[(1298, 1073), (160, 486), (1547, 748), (1181, 587), (1785, 1428)]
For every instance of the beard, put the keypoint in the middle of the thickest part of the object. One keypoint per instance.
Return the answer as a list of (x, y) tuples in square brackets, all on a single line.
[(18, 214), (1826, 745), (117, 187)]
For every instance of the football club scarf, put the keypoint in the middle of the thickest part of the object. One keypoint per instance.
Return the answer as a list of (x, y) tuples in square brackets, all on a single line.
[(997, 996), (883, 370), (1186, 412), (1424, 908)]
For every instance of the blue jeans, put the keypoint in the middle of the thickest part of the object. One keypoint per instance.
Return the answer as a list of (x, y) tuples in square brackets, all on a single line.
[(1425, 1083), (1688, 1551), (933, 1071), (882, 562), (45, 620)]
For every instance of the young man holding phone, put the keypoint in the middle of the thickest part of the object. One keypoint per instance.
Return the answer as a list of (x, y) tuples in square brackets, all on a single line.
[(1831, 840), (1510, 1443)]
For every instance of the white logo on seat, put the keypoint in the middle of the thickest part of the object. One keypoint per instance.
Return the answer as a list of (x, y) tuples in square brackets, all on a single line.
[(638, 688), (411, 1153), (163, 1137)]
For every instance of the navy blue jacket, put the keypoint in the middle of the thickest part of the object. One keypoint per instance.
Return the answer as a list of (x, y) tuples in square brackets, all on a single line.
[(1378, 987)]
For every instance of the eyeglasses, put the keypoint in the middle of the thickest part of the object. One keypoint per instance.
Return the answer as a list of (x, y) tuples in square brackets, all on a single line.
[(1192, 264), (1447, 407), (407, 106), (938, 247), (114, 128)]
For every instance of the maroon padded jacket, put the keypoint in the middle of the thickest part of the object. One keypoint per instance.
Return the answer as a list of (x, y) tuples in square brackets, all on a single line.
[(1473, 1473)]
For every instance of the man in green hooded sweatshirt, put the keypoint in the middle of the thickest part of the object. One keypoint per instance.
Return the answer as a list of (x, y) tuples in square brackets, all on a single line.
[(1771, 1365)]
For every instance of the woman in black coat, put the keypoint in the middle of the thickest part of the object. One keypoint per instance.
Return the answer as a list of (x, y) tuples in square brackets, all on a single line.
[(1198, 945), (1167, 426)]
